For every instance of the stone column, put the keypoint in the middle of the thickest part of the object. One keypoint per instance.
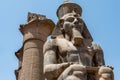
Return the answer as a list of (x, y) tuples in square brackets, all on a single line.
[(19, 55), (35, 33)]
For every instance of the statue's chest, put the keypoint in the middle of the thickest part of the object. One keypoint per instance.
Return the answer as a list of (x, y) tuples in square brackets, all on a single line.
[(65, 46), (69, 53)]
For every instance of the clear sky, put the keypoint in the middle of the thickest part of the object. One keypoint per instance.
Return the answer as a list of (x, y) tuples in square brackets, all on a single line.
[(102, 18)]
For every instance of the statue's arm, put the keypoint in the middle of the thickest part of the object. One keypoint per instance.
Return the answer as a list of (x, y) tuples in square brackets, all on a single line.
[(51, 68)]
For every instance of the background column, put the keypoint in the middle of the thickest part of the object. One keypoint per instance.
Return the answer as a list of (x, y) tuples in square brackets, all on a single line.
[(35, 33)]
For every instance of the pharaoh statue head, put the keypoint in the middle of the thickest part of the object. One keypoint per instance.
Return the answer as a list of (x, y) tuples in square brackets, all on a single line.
[(70, 24)]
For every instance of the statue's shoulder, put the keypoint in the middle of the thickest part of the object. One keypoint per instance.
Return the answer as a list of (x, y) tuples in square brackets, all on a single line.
[(58, 43), (50, 45), (96, 47), (55, 42)]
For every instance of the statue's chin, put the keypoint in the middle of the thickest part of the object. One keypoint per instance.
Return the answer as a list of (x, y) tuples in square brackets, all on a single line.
[(77, 41)]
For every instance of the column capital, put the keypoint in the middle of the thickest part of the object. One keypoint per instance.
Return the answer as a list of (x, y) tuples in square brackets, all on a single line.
[(37, 27), (48, 23)]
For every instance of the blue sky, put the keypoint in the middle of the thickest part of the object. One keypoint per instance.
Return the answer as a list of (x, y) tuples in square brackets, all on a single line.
[(101, 17)]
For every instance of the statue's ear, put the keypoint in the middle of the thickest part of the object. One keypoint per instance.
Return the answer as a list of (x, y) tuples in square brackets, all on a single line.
[(56, 32)]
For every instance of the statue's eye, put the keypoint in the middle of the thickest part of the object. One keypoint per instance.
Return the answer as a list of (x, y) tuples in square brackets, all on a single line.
[(79, 20), (70, 19)]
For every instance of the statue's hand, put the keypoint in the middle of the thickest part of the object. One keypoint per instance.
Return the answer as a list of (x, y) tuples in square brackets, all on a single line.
[(75, 70), (108, 66), (63, 65), (106, 73), (77, 67)]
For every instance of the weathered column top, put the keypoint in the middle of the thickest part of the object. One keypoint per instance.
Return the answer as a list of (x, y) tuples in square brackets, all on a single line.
[(37, 27)]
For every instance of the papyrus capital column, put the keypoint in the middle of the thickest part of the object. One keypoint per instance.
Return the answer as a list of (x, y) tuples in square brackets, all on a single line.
[(35, 33)]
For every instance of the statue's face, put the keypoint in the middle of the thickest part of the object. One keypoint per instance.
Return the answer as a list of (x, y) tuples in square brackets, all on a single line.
[(70, 21), (73, 26)]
